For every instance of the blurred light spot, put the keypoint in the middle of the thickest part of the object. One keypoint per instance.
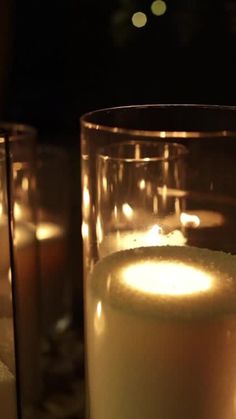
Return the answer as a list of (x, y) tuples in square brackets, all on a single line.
[(25, 184), (86, 197), (99, 321), (1, 209), (164, 194), (158, 7), (166, 152), (189, 220), (137, 152), (139, 19), (17, 211), (85, 180), (142, 184), (127, 210), (99, 229), (9, 276), (155, 204), (104, 183), (85, 230)]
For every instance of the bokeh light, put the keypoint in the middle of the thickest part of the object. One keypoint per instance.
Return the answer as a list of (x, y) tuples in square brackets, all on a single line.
[(139, 19), (158, 7)]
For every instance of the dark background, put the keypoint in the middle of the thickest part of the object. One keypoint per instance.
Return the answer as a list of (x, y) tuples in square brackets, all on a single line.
[(66, 57)]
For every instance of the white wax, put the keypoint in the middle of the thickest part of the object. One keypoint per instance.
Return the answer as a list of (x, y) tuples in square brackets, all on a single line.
[(7, 394), (162, 348)]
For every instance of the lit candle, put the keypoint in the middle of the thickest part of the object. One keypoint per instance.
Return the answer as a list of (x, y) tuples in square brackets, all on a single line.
[(7, 393), (161, 331)]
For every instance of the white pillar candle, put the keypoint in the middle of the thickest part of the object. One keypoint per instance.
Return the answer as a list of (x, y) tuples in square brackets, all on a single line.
[(161, 334), (7, 393)]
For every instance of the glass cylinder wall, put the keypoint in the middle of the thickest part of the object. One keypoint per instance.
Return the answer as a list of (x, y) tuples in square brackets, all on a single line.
[(159, 204)]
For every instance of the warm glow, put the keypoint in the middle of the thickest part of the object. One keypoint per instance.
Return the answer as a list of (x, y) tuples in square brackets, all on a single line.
[(17, 211), (99, 321), (9, 275), (189, 220), (86, 197), (155, 204), (166, 152), (115, 211), (85, 230), (1, 209), (127, 210), (99, 309), (139, 19), (202, 218), (158, 7), (99, 230), (142, 184), (166, 278), (104, 183), (25, 184), (47, 231)]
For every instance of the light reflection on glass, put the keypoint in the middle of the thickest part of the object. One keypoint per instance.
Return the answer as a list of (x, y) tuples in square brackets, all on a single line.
[(127, 210)]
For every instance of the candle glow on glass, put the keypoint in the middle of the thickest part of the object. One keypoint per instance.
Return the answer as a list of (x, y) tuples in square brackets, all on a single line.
[(189, 220), (166, 278), (127, 210), (47, 231), (202, 219)]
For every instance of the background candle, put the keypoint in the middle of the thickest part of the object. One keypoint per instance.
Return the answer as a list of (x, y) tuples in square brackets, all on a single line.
[(161, 330)]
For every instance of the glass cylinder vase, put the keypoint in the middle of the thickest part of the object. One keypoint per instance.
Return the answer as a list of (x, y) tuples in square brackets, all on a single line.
[(159, 203), (9, 367), (22, 148)]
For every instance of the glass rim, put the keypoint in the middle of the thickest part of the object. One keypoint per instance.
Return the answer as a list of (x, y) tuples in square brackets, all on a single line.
[(86, 122), (182, 151), (18, 131)]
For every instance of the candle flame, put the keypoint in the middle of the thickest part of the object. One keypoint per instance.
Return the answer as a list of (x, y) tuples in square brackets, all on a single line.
[(167, 278)]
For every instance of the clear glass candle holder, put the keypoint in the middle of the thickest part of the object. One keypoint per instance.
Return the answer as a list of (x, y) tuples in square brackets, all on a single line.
[(159, 205), (9, 406), (22, 148)]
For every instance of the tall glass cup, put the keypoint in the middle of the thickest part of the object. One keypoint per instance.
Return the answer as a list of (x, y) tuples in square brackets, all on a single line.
[(159, 206), (22, 146), (9, 378)]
